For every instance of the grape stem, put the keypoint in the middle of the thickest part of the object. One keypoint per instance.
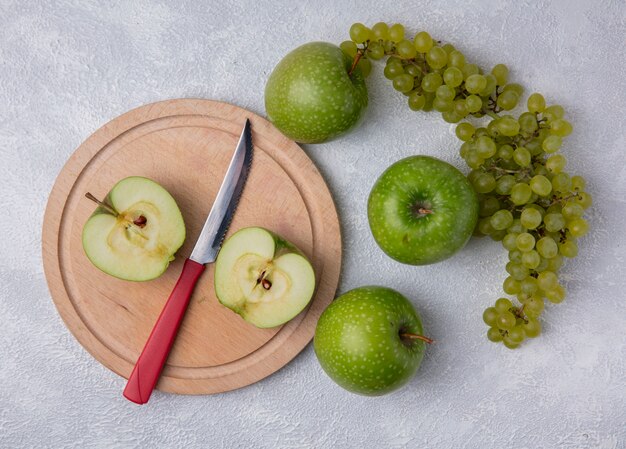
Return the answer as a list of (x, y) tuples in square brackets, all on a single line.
[(417, 337)]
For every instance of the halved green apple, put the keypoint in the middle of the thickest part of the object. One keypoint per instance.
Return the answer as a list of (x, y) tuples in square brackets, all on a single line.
[(135, 231), (263, 277)]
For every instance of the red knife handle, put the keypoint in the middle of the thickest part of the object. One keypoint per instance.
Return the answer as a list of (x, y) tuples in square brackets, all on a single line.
[(152, 359)]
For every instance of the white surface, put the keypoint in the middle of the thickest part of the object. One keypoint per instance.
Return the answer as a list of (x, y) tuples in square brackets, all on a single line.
[(68, 67)]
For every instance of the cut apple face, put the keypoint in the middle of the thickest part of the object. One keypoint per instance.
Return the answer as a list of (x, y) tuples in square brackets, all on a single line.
[(263, 278), (135, 231)]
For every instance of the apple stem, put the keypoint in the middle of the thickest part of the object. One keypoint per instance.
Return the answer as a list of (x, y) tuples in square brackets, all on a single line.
[(102, 204), (417, 337), (357, 58)]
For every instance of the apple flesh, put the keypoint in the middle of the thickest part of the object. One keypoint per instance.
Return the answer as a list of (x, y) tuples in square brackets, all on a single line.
[(311, 96), (369, 340), (263, 277), (134, 233), (422, 210)]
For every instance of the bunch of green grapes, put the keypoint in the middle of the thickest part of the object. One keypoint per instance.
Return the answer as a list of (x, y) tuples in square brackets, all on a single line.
[(527, 199)]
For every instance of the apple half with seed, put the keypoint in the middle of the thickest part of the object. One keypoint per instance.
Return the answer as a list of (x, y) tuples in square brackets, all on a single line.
[(263, 277), (135, 231)]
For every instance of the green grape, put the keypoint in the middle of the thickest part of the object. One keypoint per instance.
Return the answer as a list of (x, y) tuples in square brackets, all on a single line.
[(578, 227), (543, 265), (569, 248), (517, 334), (530, 218), (572, 210), (556, 295), (531, 259), (509, 241), (405, 49), (517, 271), (453, 77), (554, 222), (536, 103), (528, 123), (547, 247), (578, 182), (510, 344), (380, 31), (431, 81), (505, 152), (520, 193), (515, 256), (505, 320), (561, 182), (501, 219), (490, 316), (490, 87), (452, 117), (584, 199), (484, 183), (456, 59), (422, 42), (416, 100), (403, 83), (414, 71), (359, 33), (473, 102), (494, 334), (507, 100), (534, 306), (551, 144), (464, 131), (475, 83), (449, 48), (484, 226), (393, 68), (514, 87), (437, 57), (492, 128), (504, 184), (485, 147), (556, 163), (522, 157), (349, 48), (553, 112), (488, 204), (446, 93), (547, 280), (460, 108), (481, 132), (508, 126), (365, 66), (469, 69), (375, 51), (532, 328), (516, 226), (561, 127), (540, 185), (511, 286), (501, 72), (498, 235), (474, 160), (442, 105), (396, 33), (529, 284), (525, 241), (555, 263)]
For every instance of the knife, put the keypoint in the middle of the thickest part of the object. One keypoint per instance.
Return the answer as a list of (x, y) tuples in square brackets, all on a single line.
[(152, 359)]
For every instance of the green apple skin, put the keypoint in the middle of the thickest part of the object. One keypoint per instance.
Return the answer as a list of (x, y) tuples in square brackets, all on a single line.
[(358, 343), (448, 204), (311, 98)]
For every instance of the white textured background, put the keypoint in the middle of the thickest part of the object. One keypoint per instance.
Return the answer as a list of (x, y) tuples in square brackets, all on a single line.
[(68, 67)]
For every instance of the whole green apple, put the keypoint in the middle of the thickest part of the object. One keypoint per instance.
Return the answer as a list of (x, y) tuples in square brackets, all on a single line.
[(311, 97), (422, 210), (370, 341)]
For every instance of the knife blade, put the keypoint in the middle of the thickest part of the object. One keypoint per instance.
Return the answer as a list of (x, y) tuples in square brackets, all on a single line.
[(150, 363)]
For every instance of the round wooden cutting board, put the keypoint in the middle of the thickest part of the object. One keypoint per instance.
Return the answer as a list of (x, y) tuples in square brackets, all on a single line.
[(186, 145)]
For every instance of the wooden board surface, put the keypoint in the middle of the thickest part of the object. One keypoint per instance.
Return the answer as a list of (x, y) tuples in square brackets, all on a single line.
[(185, 145)]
